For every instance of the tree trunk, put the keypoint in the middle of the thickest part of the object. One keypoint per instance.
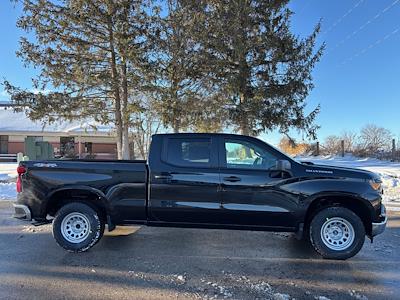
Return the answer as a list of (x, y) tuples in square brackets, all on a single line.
[(175, 127), (125, 110), (176, 122), (243, 120), (244, 74), (125, 114), (115, 87), (125, 143), (244, 126), (244, 130)]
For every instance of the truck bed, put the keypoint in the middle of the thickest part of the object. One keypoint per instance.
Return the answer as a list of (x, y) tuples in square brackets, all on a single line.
[(122, 183)]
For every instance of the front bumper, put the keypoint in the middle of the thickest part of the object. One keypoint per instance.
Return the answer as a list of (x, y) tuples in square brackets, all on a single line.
[(22, 212), (378, 228)]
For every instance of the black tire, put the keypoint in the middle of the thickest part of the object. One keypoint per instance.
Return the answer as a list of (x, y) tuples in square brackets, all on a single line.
[(87, 216), (320, 244)]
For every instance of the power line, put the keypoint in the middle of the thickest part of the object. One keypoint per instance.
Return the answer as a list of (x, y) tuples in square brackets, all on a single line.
[(338, 21), (365, 24), (376, 43)]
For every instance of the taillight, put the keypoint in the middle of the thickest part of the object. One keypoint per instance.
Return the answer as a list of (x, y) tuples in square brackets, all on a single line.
[(20, 170)]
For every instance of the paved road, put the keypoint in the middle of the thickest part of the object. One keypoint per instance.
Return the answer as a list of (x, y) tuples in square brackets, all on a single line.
[(167, 263)]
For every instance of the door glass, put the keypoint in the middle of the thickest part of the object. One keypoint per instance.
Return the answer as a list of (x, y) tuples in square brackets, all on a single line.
[(245, 155), (189, 152)]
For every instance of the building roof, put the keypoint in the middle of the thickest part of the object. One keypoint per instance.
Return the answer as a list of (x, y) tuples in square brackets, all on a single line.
[(11, 121), (6, 104)]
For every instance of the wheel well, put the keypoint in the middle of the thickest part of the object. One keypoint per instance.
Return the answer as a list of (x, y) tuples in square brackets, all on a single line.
[(358, 207), (61, 198)]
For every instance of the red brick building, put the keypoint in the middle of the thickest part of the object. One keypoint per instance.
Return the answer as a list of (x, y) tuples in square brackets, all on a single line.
[(80, 138)]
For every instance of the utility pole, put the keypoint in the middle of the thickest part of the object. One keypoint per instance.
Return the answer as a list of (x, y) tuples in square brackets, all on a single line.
[(342, 147), (393, 149)]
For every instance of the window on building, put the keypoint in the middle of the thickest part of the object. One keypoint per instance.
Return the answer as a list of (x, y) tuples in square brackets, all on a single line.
[(3, 144), (89, 147)]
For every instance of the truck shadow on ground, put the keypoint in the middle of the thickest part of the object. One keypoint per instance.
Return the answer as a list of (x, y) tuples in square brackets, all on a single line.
[(153, 257)]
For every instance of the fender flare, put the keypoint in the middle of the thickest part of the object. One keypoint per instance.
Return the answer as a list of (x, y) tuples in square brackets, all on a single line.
[(320, 195), (309, 201), (102, 197)]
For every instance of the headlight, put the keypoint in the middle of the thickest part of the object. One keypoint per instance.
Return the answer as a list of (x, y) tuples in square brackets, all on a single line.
[(375, 184)]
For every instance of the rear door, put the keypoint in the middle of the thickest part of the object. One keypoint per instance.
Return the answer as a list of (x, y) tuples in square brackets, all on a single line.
[(251, 193), (184, 183)]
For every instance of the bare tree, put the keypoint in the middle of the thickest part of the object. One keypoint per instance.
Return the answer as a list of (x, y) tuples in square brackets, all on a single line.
[(290, 146), (331, 144), (144, 123), (350, 139), (374, 139)]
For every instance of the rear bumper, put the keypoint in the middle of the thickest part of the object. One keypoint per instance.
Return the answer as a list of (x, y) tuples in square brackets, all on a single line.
[(379, 227), (22, 212)]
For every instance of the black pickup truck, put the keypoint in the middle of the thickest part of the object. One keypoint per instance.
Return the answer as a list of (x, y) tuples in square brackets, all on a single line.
[(205, 181)]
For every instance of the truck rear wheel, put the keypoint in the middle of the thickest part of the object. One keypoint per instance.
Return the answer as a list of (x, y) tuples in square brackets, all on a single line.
[(77, 227), (337, 233)]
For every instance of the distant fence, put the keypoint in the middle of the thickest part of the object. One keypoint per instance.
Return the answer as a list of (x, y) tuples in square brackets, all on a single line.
[(393, 155)]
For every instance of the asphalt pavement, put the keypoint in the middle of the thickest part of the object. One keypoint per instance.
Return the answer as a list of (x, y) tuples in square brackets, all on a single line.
[(175, 263)]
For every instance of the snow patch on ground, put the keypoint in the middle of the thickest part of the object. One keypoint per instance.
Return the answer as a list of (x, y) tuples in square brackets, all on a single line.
[(279, 296), (389, 171), (8, 173), (8, 170), (8, 191)]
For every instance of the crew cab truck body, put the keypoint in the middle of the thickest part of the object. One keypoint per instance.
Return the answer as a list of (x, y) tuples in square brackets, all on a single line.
[(205, 181)]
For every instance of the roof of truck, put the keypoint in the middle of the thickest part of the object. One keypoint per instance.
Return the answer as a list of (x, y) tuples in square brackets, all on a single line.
[(197, 133)]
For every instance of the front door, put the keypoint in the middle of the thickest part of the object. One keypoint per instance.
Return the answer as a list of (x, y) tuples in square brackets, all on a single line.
[(184, 184), (251, 193)]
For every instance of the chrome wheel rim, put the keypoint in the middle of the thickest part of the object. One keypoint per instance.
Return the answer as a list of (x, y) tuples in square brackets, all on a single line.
[(337, 234), (75, 227)]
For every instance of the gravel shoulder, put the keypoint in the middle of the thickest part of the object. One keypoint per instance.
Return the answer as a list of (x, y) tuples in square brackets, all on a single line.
[(170, 263)]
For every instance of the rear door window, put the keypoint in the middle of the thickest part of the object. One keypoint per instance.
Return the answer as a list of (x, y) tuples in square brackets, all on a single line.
[(189, 152)]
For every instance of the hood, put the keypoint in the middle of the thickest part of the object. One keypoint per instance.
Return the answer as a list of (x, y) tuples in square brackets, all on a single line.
[(338, 171)]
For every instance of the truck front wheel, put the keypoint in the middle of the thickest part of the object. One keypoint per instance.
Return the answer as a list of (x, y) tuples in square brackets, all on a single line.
[(77, 227), (337, 233)]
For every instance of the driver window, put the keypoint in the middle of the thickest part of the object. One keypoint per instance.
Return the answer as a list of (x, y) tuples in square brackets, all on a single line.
[(245, 155)]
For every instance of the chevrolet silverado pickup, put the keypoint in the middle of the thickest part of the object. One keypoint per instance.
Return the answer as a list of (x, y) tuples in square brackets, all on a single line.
[(198, 180)]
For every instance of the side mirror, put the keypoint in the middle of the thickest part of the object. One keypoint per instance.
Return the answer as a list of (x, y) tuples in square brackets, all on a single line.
[(283, 165)]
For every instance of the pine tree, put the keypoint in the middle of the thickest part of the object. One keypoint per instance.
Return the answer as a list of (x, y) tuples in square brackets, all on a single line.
[(262, 70), (185, 99), (90, 54)]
